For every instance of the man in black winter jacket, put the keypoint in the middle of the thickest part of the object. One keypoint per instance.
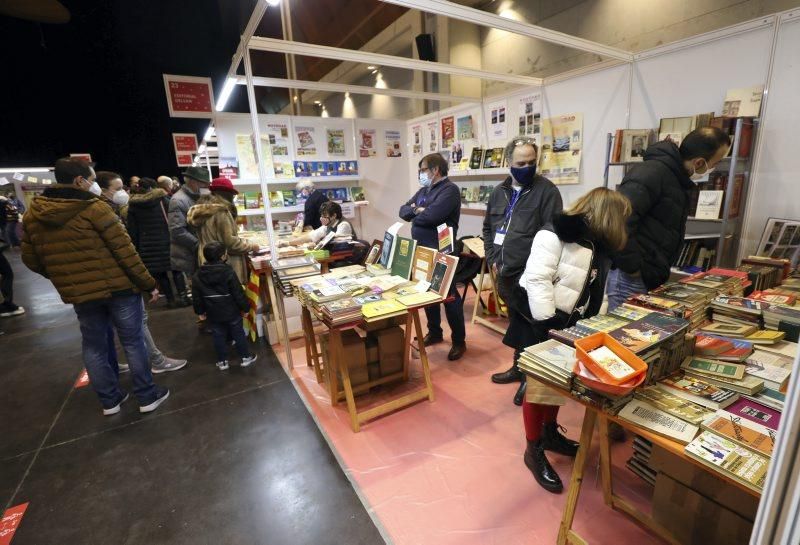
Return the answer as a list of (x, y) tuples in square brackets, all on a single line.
[(314, 201), (518, 208), (438, 201), (658, 189)]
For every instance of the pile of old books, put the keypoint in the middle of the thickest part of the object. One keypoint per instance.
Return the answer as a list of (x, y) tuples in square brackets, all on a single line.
[(291, 268), (737, 311), (639, 463), (695, 299), (549, 361), (723, 281)]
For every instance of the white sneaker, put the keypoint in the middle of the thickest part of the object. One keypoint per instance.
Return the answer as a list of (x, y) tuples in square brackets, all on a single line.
[(247, 361), (116, 408), (154, 405), (168, 364), (123, 367), (223, 365), (7, 311)]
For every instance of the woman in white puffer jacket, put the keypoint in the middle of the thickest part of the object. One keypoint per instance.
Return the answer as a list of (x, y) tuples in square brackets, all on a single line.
[(564, 281)]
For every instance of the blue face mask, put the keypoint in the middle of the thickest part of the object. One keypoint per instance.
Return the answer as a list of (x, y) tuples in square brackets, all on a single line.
[(424, 179), (524, 175)]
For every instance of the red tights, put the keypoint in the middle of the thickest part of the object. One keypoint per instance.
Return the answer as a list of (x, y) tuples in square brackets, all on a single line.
[(536, 416)]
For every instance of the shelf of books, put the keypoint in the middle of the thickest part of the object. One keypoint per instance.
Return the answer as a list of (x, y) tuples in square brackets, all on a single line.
[(295, 179), (289, 209), (719, 349), (716, 204)]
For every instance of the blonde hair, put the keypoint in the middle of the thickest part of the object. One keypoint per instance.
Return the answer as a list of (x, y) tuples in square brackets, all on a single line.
[(606, 213)]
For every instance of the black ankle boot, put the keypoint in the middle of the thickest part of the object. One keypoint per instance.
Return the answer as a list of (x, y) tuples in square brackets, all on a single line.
[(183, 297), (553, 440), (542, 471), (507, 377), (519, 397)]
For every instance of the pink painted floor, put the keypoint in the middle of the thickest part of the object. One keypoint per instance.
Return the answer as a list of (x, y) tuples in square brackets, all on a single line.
[(451, 472)]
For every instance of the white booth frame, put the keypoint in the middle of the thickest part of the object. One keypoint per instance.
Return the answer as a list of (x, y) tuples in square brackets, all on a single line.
[(769, 527)]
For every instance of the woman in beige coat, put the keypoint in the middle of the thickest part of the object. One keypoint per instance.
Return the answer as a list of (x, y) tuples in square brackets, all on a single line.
[(214, 218)]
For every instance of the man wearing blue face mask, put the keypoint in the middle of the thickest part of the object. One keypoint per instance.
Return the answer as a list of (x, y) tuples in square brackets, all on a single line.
[(438, 201), (518, 208)]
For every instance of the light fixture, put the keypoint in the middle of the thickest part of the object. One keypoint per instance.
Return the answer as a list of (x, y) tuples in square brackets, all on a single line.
[(273, 2), (295, 98), (201, 149), (209, 133), (24, 170), (317, 102), (227, 89)]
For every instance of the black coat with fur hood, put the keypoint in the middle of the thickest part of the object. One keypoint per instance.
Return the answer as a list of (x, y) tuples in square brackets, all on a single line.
[(149, 230)]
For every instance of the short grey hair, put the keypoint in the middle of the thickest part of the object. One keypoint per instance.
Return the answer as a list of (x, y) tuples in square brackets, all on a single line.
[(304, 184), (520, 141)]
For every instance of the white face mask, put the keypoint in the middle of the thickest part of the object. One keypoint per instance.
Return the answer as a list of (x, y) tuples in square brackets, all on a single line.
[(697, 176), (95, 189), (205, 191), (120, 198)]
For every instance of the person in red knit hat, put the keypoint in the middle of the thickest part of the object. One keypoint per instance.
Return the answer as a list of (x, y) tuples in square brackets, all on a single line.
[(214, 219), (564, 279)]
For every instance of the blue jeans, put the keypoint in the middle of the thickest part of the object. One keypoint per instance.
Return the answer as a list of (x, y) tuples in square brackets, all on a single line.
[(153, 353), (620, 286), (454, 311), (125, 313), (222, 331)]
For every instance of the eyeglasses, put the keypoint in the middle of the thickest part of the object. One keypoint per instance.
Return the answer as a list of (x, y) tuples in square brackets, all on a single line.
[(423, 169)]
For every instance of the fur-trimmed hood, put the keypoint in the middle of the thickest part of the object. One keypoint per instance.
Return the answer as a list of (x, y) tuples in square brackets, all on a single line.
[(151, 198), (207, 207)]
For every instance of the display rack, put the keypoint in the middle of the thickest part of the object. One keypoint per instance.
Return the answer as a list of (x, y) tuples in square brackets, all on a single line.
[(726, 230)]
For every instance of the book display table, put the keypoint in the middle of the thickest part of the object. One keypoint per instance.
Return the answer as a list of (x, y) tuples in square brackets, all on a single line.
[(337, 370), (593, 415)]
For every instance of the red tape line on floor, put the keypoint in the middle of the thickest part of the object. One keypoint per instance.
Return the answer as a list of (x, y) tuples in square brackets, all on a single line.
[(10, 522), (83, 379)]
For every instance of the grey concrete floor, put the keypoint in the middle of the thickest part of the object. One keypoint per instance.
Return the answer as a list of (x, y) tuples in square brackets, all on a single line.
[(230, 458)]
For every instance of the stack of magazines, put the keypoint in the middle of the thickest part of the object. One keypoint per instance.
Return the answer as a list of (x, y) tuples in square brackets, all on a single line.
[(291, 268), (549, 361), (341, 311)]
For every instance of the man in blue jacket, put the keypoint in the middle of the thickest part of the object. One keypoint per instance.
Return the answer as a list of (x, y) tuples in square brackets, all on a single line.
[(438, 201)]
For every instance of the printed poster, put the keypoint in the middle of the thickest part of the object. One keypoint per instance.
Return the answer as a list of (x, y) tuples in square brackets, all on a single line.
[(228, 167), (248, 167), (562, 142), (416, 140), (496, 114), (306, 144), (448, 131), (432, 131), (393, 148), (464, 128), (530, 117), (366, 143), (277, 147), (335, 139)]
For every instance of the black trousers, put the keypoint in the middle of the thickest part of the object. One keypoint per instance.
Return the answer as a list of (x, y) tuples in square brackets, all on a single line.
[(6, 279), (163, 283)]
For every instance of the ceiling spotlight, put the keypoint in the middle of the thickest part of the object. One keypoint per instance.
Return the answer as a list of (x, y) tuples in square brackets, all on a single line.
[(370, 67), (273, 2), (317, 102)]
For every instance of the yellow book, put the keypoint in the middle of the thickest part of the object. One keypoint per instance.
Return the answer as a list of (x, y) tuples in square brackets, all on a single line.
[(384, 307), (417, 299)]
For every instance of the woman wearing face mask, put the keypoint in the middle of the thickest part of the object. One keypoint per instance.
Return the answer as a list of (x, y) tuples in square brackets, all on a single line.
[(146, 218), (331, 221), (112, 190), (214, 218), (659, 189)]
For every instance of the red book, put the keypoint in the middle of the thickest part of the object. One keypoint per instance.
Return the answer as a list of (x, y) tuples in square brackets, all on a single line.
[(770, 296), (755, 412), (707, 345)]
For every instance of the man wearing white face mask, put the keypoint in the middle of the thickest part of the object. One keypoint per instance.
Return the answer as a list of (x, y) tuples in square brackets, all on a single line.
[(658, 189), (438, 201), (183, 248)]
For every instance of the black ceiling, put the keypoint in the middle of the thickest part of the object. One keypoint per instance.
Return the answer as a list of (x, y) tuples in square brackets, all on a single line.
[(95, 84)]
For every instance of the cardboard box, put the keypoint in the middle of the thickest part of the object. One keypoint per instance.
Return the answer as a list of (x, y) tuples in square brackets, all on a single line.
[(705, 483), (374, 369), (384, 324), (354, 355), (390, 349), (694, 519), (373, 354)]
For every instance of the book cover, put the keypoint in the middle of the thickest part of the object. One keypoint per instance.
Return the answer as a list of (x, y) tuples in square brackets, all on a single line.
[(748, 384), (698, 391), (417, 299), (383, 307), (674, 405), (403, 257), (446, 241), (729, 330), (710, 345), (755, 412), (610, 362), (646, 416), (709, 203), (423, 263), (357, 194), (374, 253), (712, 367), (731, 428), (773, 369), (475, 158), (745, 466), (638, 336), (444, 268), (555, 353)]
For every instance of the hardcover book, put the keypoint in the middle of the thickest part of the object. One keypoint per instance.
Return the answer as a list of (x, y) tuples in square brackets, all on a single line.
[(709, 203), (642, 414), (357, 194), (444, 269), (475, 158), (423, 263), (738, 463), (403, 258)]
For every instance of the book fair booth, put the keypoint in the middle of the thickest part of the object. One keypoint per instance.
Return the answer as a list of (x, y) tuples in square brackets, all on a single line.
[(704, 383)]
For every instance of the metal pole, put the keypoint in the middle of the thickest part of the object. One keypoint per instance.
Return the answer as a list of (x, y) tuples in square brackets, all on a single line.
[(291, 65), (208, 163), (262, 174)]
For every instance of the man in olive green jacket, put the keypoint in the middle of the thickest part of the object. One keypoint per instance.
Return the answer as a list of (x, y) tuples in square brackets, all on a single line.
[(75, 240)]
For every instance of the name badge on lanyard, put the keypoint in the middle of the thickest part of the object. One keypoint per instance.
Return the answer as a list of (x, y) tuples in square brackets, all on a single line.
[(500, 235)]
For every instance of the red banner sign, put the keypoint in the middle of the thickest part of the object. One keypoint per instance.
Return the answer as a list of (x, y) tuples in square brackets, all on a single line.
[(185, 147), (10, 522), (189, 96), (184, 159)]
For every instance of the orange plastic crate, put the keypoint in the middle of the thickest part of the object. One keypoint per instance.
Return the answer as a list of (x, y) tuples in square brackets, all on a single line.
[(587, 344)]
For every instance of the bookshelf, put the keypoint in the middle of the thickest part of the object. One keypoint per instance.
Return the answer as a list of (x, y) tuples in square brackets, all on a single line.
[(289, 209), (294, 180), (723, 234)]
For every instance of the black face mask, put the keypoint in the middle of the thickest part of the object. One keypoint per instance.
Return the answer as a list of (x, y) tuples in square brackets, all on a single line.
[(524, 175)]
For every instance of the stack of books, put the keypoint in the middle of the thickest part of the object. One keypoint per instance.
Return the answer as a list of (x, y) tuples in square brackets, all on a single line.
[(659, 339), (639, 463), (695, 298), (736, 310), (603, 323), (283, 276), (549, 361), (673, 404), (341, 311), (659, 304), (606, 403), (657, 421), (730, 459), (630, 313), (781, 318), (721, 280), (698, 391)]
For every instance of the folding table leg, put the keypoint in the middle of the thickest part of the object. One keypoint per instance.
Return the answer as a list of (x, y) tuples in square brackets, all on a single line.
[(576, 480), (338, 353), (423, 354)]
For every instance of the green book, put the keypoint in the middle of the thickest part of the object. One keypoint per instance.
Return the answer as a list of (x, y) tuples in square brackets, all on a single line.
[(403, 257), (713, 367)]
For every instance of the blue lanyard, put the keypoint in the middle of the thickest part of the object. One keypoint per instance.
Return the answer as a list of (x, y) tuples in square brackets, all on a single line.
[(510, 207), (423, 197)]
